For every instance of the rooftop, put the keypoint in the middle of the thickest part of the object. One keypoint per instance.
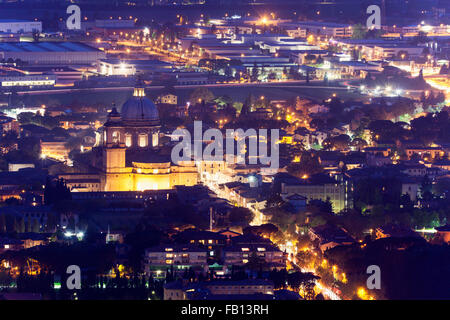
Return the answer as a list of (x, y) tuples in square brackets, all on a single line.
[(45, 47)]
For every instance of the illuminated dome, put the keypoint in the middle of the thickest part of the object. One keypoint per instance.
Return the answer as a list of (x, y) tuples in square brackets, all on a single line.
[(139, 107)]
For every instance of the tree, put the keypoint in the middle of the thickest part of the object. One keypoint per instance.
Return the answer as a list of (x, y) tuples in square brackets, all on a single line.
[(201, 95), (444, 69), (299, 279), (255, 263), (255, 74), (247, 105), (241, 216), (56, 192), (340, 142), (359, 31), (420, 76), (36, 36), (308, 165)]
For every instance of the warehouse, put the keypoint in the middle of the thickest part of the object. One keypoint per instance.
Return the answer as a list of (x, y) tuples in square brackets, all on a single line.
[(51, 53), (19, 26)]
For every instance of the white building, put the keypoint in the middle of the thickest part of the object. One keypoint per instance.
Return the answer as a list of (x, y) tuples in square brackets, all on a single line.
[(116, 68), (240, 254), (303, 28), (42, 80), (12, 167), (20, 26), (158, 259)]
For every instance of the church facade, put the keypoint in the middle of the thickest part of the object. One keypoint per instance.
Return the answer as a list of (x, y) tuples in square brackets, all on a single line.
[(128, 145)]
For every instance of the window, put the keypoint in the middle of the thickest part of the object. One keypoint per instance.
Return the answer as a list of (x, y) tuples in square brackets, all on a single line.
[(128, 140), (143, 140), (155, 139), (115, 136)]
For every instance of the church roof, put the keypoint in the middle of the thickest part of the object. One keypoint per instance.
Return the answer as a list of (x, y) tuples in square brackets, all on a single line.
[(139, 107)]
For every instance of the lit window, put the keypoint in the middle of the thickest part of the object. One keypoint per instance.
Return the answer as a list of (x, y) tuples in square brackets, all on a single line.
[(155, 139), (143, 140), (128, 141), (245, 249), (115, 137)]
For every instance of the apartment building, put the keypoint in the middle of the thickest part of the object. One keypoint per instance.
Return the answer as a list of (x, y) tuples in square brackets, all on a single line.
[(319, 187), (241, 253), (180, 257)]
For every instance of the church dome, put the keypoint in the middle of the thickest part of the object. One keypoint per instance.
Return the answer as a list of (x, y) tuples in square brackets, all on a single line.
[(139, 108)]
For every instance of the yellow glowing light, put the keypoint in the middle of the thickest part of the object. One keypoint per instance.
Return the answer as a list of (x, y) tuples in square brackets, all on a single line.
[(362, 294)]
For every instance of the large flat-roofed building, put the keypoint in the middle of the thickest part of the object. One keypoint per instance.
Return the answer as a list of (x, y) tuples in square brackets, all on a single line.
[(395, 50), (17, 79), (241, 253), (51, 53), (157, 260), (318, 187), (19, 26), (55, 149), (320, 28), (124, 67)]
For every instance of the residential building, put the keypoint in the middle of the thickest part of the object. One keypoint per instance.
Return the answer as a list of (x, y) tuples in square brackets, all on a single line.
[(329, 236), (180, 257), (318, 187)]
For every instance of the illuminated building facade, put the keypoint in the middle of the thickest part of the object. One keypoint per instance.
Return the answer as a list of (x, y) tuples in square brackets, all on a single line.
[(129, 141)]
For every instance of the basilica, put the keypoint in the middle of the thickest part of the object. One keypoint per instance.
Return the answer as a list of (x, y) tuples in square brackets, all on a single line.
[(127, 155)]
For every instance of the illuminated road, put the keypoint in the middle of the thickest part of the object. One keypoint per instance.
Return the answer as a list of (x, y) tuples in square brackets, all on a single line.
[(325, 290), (290, 249)]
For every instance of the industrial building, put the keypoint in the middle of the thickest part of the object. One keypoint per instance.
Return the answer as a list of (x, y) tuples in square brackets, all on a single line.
[(19, 26), (51, 53)]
